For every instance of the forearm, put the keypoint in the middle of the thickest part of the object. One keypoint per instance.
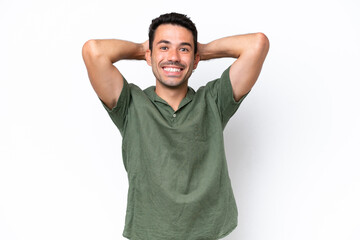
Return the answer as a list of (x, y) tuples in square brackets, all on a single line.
[(115, 50), (232, 46)]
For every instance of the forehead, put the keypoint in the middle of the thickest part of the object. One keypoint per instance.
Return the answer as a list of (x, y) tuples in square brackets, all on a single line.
[(173, 34)]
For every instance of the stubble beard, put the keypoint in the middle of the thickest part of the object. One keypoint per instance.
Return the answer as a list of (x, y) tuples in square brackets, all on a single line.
[(168, 83)]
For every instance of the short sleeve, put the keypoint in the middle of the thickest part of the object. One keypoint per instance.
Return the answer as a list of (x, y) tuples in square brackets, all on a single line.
[(118, 113), (221, 90)]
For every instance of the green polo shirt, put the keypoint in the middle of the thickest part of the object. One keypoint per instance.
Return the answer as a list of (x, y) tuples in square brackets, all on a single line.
[(179, 187)]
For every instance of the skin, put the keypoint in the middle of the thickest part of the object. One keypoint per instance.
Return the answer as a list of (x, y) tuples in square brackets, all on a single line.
[(173, 44), (173, 48)]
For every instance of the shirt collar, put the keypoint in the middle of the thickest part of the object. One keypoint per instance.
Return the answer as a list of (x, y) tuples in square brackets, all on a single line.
[(150, 92)]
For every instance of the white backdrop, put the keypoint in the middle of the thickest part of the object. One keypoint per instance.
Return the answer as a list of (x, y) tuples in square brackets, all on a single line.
[(292, 147)]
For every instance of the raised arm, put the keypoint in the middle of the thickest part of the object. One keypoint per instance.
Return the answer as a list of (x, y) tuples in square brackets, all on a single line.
[(99, 57), (250, 51)]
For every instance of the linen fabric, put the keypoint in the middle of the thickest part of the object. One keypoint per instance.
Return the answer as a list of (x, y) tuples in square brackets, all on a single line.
[(179, 187)]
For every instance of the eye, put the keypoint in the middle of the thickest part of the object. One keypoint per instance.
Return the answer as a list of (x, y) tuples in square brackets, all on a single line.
[(184, 50), (164, 48)]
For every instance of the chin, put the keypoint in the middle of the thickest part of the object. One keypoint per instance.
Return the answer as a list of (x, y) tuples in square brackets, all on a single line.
[(172, 84)]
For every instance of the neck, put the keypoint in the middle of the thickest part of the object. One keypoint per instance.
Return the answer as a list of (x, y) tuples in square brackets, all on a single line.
[(173, 96)]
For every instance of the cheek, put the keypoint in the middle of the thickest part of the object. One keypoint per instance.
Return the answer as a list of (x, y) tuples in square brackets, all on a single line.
[(189, 60), (156, 60), (190, 64)]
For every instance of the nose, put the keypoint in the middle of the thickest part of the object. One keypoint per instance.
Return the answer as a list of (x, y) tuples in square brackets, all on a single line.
[(173, 55)]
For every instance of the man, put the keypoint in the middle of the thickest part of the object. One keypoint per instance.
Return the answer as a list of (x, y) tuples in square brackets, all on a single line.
[(173, 148)]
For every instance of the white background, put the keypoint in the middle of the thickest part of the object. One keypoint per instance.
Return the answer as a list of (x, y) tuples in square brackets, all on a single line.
[(292, 147)]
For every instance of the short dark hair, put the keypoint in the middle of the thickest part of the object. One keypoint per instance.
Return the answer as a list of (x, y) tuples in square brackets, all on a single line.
[(174, 19)]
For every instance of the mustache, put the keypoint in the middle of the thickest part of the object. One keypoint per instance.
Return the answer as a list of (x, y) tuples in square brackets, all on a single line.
[(169, 63)]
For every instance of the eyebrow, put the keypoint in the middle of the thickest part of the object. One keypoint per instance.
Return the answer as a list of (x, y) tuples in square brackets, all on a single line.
[(168, 42)]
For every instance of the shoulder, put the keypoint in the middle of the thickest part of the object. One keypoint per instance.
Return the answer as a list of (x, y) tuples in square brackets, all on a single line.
[(133, 90)]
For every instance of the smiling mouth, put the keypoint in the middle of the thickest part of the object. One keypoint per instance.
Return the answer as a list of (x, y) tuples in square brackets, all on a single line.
[(172, 70), (172, 67)]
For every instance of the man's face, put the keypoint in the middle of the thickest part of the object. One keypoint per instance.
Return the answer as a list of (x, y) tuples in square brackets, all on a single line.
[(172, 57)]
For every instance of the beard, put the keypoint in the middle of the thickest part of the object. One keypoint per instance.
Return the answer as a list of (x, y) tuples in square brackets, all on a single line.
[(171, 81)]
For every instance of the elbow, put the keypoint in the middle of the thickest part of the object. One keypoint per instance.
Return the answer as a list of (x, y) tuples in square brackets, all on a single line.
[(262, 42), (90, 49)]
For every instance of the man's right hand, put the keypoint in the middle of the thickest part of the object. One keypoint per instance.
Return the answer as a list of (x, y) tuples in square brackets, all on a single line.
[(145, 46)]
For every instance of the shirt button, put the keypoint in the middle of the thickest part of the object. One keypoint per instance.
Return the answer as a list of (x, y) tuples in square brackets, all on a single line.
[(174, 115)]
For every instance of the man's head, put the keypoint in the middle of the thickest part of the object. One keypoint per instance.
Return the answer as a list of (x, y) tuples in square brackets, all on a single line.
[(174, 19), (172, 50)]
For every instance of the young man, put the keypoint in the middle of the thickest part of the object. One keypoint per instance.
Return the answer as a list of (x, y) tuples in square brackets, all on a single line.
[(173, 148)]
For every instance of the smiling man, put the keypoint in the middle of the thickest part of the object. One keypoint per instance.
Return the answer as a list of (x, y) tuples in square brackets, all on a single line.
[(173, 148)]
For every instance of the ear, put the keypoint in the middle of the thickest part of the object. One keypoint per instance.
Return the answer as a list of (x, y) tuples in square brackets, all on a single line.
[(196, 61), (148, 56)]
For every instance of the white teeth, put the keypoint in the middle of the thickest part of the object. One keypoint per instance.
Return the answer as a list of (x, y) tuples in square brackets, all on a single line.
[(172, 69)]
